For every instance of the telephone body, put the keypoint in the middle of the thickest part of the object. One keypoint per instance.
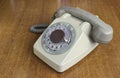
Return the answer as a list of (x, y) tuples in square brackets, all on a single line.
[(65, 42)]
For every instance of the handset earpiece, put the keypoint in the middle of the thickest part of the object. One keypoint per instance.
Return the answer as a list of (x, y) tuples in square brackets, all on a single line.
[(101, 32)]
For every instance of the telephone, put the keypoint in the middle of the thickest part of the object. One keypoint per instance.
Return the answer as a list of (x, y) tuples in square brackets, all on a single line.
[(72, 35)]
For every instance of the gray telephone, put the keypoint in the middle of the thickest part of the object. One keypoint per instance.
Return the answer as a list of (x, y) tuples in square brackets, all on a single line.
[(70, 37)]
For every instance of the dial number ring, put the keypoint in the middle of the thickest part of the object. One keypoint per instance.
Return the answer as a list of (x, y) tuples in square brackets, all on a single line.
[(62, 46)]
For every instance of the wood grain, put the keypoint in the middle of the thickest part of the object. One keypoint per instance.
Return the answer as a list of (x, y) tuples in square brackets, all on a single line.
[(16, 41)]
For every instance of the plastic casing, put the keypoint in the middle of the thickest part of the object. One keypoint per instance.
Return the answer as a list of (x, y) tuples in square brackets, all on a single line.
[(81, 47)]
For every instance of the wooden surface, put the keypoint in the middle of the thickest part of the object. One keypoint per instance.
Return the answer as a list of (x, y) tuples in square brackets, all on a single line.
[(16, 41)]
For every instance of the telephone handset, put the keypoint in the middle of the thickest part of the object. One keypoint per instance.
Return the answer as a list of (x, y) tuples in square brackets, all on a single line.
[(101, 32), (72, 35)]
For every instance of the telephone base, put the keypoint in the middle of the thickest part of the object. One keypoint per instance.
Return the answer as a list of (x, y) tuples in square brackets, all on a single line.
[(82, 46)]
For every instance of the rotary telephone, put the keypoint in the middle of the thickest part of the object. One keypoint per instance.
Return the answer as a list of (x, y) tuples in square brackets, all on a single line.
[(72, 35)]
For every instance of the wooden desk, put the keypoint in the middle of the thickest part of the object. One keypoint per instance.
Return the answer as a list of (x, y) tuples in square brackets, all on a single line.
[(16, 41)]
